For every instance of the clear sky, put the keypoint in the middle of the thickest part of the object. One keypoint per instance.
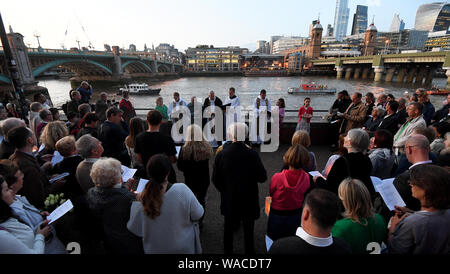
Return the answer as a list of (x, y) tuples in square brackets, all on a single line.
[(183, 23)]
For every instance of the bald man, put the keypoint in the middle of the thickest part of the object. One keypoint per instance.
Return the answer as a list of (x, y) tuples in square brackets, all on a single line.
[(417, 148)]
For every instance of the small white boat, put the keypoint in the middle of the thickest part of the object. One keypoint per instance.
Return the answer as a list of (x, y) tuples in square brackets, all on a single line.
[(139, 89), (312, 89)]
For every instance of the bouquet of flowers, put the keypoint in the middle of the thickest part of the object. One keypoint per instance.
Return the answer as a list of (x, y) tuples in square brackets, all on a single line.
[(53, 201)]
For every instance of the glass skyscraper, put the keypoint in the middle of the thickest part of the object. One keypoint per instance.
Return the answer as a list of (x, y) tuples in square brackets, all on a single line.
[(359, 20), (341, 19), (433, 17)]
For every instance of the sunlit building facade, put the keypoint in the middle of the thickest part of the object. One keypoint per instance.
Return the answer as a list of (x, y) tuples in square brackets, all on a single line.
[(341, 19), (433, 17), (209, 58)]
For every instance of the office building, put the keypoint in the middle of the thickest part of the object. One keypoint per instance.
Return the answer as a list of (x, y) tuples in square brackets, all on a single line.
[(395, 42), (433, 17), (210, 58), (359, 20), (439, 40), (341, 19), (285, 43), (329, 32), (397, 24)]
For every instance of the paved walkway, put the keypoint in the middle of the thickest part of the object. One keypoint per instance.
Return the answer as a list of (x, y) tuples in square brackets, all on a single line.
[(212, 233)]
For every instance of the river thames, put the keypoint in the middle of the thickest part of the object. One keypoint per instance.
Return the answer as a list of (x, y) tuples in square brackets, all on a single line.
[(247, 88)]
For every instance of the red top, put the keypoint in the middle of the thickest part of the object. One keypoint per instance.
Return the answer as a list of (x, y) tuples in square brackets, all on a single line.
[(288, 188), (126, 104), (304, 110)]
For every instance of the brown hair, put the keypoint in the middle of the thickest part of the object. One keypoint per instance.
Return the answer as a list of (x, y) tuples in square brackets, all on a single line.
[(356, 199), (136, 127), (301, 137), (196, 149), (435, 181), (52, 133), (66, 145), (8, 170), (297, 157), (158, 168)]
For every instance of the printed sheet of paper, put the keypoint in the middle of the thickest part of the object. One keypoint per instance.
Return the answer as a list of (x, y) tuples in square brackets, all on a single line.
[(60, 211), (316, 173), (127, 173), (269, 243), (59, 177), (57, 158), (388, 192), (141, 185), (178, 150)]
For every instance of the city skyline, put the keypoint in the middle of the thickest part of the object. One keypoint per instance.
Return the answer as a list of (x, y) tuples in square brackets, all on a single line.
[(184, 24)]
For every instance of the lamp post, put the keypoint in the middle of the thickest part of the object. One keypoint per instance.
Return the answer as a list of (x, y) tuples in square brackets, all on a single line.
[(385, 46)]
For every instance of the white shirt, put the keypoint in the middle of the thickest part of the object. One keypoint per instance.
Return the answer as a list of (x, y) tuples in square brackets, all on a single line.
[(262, 106), (177, 106), (235, 102), (421, 163), (315, 241)]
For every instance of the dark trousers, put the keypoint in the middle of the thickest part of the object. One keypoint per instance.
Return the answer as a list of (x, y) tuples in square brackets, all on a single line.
[(249, 226)]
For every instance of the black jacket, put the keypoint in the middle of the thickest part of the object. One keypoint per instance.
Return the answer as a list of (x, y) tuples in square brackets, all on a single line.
[(113, 137), (359, 166), (6, 149), (237, 170), (71, 186), (390, 124), (111, 208)]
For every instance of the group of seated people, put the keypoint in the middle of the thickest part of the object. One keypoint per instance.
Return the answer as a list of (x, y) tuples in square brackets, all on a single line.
[(338, 211)]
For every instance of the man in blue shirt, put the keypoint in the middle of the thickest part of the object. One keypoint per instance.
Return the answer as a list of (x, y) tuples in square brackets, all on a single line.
[(86, 91)]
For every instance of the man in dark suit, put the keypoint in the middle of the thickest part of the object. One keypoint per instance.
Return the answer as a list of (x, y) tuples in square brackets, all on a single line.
[(112, 135), (320, 212), (390, 121), (417, 149), (402, 115), (213, 102), (35, 182), (236, 173), (6, 148)]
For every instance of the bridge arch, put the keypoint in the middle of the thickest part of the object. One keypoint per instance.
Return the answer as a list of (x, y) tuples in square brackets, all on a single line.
[(5, 79), (55, 63), (147, 67), (163, 68)]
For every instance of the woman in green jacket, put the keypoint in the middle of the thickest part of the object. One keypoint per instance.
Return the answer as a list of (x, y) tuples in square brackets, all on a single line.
[(361, 228)]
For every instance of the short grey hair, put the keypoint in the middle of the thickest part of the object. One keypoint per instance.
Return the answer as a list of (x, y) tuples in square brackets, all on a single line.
[(10, 123), (380, 110), (237, 131), (106, 172), (359, 139), (418, 140), (85, 145)]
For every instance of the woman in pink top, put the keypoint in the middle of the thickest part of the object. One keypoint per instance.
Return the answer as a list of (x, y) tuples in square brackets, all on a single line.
[(288, 189), (305, 113), (281, 109)]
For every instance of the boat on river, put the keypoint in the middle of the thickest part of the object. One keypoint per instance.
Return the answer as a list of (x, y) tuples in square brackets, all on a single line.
[(139, 89), (438, 91), (312, 88)]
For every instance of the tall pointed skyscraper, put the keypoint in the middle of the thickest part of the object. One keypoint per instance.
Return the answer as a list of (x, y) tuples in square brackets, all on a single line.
[(341, 19), (397, 24)]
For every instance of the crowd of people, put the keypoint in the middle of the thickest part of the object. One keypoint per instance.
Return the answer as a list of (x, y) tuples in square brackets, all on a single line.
[(335, 211)]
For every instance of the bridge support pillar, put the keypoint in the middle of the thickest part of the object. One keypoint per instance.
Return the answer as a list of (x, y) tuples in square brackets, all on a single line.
[(378, 73), (419, 78), (348, 73), (357, 73), (429, 77), (390, 74), (365, 73), (411, 74), (20, 54), (117, 72), (154, 66), (340, 72), (401, 75)]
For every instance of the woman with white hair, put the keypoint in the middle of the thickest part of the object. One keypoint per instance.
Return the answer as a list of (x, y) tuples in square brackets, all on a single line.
[(193, 160), (110, 202), (355, 164)]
